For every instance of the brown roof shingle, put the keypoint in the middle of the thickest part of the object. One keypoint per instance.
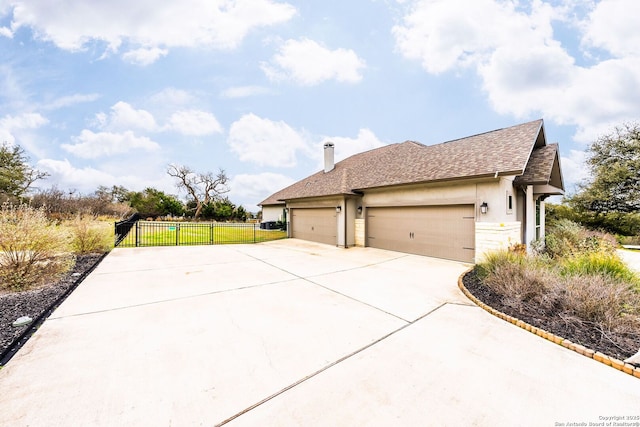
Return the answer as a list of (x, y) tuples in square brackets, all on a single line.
[(505, 151), (539, 169)]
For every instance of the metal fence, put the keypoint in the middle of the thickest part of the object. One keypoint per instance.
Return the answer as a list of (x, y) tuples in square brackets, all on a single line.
[(161, 233)]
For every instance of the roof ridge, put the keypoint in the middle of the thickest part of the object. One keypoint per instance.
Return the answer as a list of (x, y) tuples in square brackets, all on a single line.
[(488, 132)]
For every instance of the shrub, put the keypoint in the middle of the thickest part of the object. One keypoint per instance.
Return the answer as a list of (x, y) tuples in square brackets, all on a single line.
[(601, 300), (517, 278), (567, 238), (603, 264), (32, 249), (493, 261), (89, 235)]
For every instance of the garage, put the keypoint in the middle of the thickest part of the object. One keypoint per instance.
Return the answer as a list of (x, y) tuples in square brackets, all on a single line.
[(314, 224), (438, 231)]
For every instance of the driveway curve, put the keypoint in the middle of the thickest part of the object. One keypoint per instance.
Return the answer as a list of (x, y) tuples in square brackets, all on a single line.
[(293, 333)]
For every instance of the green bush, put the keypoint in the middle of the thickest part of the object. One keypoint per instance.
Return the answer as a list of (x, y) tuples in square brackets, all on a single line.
[(567, 238), (599, 264), (89, 235), (32, 249)]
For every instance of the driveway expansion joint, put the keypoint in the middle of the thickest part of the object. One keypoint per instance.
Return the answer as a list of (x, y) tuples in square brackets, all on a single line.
[(627, 368), (325, 368)]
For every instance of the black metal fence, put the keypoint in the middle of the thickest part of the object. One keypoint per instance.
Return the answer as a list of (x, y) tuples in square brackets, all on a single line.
[(164, 233)]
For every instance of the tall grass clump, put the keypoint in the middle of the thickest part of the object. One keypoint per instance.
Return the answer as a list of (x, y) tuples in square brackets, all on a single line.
[(599, 264), (33, 251), (518, 278), (603, 301), (89, 235)]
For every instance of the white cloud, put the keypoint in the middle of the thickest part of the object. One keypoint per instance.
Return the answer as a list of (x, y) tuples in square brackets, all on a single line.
[(613, 25), (345, 147), (524, 70), (67, 176), (90, 145), (73, 24), (6, 32), (308, 63), (67, 101), (253, 189), (244, 91), (23, 121), (173, 97), (10, 126), (194, 122), (124, 117), (144, 56), (265, 142)]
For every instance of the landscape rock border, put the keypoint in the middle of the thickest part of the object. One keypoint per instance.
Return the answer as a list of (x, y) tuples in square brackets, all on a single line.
[(14, 346), (595, 355)]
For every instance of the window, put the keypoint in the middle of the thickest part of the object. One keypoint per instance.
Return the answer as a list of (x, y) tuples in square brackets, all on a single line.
[(509, 202)]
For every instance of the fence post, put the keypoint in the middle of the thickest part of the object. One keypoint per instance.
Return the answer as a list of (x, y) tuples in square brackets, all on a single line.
[(177, 234), (137, 234), (211, 233), (254, 232)]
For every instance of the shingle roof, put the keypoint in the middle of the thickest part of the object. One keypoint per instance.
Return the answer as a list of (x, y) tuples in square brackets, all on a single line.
[(539, 169), (505, 151)]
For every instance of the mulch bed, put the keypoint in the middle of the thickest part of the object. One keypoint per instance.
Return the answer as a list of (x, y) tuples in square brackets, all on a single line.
[(36, 302), (619, 346)]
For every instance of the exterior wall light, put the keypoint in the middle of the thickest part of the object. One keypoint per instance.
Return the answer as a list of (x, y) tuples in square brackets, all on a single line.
[(359, 210), (484, 207), (338, 209)]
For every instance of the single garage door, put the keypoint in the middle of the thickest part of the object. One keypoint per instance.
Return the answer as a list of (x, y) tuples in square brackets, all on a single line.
[(316, 224), (438, 231)]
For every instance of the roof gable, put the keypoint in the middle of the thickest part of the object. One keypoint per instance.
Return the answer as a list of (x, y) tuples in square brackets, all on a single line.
[(503, 152), (543, 168)]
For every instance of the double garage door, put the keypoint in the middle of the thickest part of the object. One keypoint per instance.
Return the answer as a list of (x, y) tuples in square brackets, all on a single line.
[(438, 231), (315, 224)]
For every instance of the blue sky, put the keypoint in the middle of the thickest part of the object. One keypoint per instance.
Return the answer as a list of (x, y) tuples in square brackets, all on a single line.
[(110, 93)]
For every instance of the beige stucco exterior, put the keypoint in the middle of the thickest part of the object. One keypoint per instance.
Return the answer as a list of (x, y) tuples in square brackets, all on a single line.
[(499, 228)]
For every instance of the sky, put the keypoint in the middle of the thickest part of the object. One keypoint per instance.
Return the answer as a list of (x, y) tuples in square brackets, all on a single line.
[(112, 92)]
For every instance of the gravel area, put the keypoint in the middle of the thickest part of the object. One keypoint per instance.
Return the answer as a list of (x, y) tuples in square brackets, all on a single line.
[(36, 302)]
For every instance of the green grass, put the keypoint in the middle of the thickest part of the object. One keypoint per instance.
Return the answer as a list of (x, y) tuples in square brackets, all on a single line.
[(186, 233)]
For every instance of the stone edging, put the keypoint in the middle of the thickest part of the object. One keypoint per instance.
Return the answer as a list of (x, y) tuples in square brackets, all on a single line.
[(596, 355)]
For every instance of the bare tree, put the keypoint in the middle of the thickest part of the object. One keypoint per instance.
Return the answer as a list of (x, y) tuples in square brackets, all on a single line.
[(203, 188)]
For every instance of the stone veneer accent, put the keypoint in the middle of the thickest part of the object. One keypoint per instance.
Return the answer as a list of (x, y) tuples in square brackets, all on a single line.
[(359, 232), (491, 236)]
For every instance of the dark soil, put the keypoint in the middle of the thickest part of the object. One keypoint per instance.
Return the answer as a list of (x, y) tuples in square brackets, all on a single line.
[(617, 345), (37, 302)]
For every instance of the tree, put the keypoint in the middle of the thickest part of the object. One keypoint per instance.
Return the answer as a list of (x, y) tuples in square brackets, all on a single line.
[(154, 203), (16, 175), (614, 161), (202, 188), (115, 194)]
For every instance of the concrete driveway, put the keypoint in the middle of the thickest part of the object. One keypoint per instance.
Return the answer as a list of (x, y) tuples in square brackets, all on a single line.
[(293, 333)]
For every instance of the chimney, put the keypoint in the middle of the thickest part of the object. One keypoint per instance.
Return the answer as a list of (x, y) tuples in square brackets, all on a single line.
[(328, 157)]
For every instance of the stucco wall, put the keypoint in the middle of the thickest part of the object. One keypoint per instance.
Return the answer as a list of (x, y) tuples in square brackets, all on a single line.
[(491, 236), (272, 213), (493, 191)]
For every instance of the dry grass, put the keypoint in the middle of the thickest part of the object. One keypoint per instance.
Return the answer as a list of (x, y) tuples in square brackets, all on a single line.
[(89, 235), (32, 249)]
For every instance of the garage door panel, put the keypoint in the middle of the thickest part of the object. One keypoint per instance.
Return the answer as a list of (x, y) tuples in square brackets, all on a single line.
[(317, 224), (439, 231)]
